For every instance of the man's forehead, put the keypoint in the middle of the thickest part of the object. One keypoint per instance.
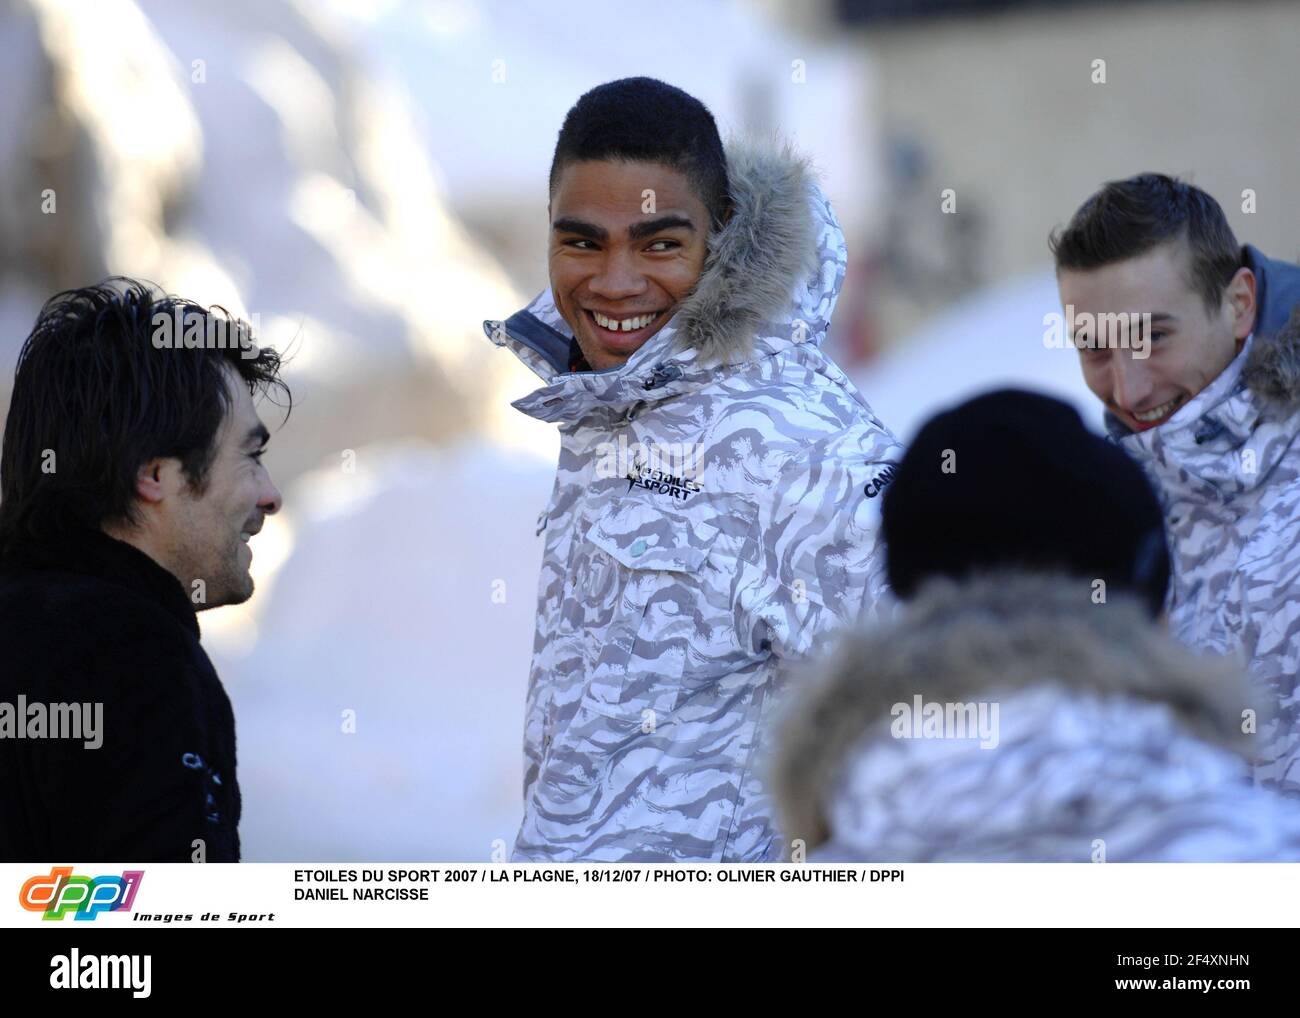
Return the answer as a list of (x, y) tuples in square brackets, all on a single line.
[(241, 415), (1158, 276), (626, 187)]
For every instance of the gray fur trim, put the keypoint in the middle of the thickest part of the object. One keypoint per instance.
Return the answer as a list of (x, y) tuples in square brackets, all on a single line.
[(997, 633), (765, 248), (1273, 368)]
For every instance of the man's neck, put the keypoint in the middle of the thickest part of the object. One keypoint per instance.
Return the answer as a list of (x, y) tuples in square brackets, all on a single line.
[(577, 360), (142, 542)]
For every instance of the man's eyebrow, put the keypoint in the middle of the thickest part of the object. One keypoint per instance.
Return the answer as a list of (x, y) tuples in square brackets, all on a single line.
[(567, 224), (1153, 318), (669, 222), (257, 435)]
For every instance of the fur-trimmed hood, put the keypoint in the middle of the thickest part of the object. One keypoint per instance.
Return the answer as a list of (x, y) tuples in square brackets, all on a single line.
[(1272, 368), (770, 280), (766, 247), (1106, 732)]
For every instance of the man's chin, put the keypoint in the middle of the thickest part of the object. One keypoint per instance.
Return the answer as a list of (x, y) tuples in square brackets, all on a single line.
[(604, 350), (236, 591)]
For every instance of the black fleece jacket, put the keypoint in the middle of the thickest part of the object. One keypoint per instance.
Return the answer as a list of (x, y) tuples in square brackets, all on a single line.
[(90, 619)]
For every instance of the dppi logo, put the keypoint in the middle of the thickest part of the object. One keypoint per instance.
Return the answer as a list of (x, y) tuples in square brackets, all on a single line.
[(60, 893)]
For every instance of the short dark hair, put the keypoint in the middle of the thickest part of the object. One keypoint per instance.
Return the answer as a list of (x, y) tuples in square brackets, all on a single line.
[(104, 392), (644, 119), (1127, 218)]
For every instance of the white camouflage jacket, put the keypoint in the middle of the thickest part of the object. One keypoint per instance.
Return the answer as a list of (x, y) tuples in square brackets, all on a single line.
[(672, 588), (1227, 467), (1048, 729)]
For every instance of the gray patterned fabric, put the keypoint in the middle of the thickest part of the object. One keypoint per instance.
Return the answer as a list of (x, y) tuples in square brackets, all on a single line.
[(1112, 742), (1227, 468), (668, 597)]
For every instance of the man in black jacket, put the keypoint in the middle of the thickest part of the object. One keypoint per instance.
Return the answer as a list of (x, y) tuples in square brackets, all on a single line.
[(130, 484)]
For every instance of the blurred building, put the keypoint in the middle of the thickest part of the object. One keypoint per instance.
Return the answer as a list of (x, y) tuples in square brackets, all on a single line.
[(1022, 108)]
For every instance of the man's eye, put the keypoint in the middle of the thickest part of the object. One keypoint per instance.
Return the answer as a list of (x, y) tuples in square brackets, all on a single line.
[(671, 244), (576, 243)]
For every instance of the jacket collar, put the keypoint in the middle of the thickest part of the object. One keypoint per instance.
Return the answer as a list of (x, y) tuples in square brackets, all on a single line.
[(95, 554), (1277, 289), (1223, 405), (770, 282), (1225, 441)]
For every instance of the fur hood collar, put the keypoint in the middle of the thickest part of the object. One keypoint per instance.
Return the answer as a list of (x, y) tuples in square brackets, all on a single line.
[(770, 281), (1030, 639), (755, 260), (1272, 369)]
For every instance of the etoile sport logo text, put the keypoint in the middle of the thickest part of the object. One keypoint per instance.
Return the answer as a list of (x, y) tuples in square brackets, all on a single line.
[(59, 892)]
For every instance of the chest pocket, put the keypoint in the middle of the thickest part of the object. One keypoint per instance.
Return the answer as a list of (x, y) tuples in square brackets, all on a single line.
[(657, 606)]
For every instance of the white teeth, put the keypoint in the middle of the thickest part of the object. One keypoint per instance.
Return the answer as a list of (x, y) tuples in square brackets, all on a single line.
[(245, 537), (1158, 412), (624, 324)]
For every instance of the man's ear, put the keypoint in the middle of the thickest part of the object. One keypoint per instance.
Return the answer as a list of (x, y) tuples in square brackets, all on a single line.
[(153, 481), (1241, 298)]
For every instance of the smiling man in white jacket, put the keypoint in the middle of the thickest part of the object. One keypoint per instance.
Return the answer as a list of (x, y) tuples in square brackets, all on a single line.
[(1213, 414), (714, 503)]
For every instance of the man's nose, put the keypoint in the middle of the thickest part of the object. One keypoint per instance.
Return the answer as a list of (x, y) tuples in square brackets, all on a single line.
[(619, 278), (1130, 380), (271, 500)]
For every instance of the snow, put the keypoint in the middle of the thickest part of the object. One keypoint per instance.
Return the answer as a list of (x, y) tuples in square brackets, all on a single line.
[(385, 607), (990, 341)]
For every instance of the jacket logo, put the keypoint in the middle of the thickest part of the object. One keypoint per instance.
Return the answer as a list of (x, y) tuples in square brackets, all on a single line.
[(665, 483), (877, 484)]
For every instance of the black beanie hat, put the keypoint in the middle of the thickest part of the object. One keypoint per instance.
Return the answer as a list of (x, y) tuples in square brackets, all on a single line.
[(1013, 479)]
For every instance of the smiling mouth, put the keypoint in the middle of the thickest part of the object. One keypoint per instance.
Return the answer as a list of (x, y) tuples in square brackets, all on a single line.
[(1156, 415), (622, 327)]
